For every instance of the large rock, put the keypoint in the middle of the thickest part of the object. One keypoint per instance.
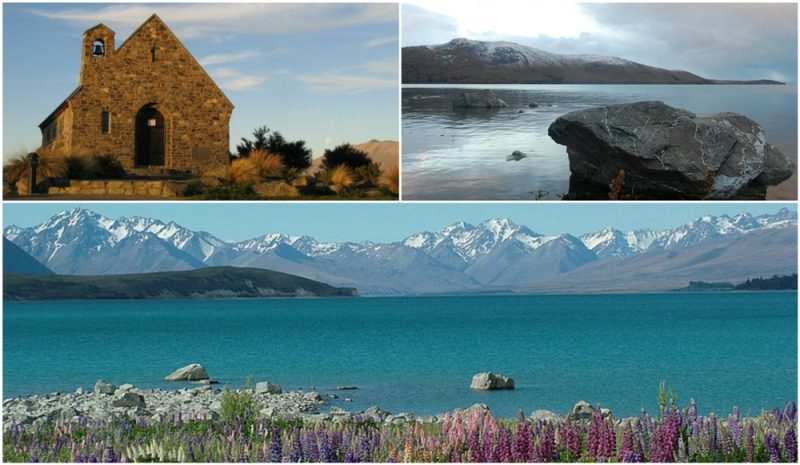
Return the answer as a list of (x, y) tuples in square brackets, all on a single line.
[(488, 381), (103, 387), (480, 99), (193, 372), (266, 387), (667, 152), (129, 400), (276, 189), (581, 411)]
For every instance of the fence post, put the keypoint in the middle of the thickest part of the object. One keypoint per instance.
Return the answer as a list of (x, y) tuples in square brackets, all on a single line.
[(34, 158)]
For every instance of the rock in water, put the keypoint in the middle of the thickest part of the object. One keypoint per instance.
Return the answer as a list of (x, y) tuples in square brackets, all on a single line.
[(481, 99), (516, 155), (667, 152), (488, 381), (193, 372)]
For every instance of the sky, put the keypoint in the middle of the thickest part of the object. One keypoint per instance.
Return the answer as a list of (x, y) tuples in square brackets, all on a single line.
[(713, 40), (323, 73), (391, 221)]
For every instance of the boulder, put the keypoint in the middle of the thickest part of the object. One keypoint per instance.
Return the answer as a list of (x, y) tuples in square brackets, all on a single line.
[(581, 411), (488, 381), (480, 99), (129, 400), (126, 387), (546, 415), (265, 387), (103, 387), (376, 413), (193, 372), (276, 189), (669, 153)]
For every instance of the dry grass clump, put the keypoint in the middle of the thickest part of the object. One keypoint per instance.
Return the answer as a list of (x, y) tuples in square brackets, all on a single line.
[(341, 176), (393, 179), (242, 170), (18, 167), (269, 165)]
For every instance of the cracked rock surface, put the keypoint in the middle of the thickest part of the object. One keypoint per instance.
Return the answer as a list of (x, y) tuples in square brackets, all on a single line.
[(668, 152)]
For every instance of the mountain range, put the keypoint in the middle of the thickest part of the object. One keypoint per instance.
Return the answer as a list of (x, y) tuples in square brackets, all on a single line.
[(464, 61), (494, 256)]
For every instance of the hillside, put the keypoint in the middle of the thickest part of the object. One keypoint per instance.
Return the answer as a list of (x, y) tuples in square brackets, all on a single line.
[(384, 152), (464, 61), (206, 283), (16, 260)]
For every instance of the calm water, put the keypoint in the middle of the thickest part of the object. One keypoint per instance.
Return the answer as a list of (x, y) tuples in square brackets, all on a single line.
[(419, 354), (462, 154)]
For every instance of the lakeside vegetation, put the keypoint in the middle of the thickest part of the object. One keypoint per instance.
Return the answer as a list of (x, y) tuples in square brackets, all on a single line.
[(465, 436), (203, 283), (772, 283)]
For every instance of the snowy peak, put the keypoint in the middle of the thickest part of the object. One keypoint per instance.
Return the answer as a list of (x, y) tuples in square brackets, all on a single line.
[(513, 54)]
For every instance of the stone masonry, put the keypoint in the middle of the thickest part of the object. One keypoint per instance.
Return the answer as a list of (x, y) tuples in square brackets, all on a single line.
[(148, 102)]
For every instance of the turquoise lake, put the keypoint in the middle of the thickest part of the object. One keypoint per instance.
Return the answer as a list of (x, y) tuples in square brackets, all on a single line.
[(418, 354), (461, 155)]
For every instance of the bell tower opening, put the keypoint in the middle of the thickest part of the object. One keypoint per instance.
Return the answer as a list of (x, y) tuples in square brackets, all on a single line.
[(99, 48)]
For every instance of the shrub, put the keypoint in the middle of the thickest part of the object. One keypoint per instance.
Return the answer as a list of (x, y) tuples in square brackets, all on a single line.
[(346, 155), (94, 167), (369, 175), (50, 166), (239, 405), (293, 154)]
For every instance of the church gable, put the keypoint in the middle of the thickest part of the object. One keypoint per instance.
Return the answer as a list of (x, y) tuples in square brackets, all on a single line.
[(147, 102)]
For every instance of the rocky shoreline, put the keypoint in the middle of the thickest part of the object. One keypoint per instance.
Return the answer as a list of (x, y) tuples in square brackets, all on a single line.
[(205, 402)]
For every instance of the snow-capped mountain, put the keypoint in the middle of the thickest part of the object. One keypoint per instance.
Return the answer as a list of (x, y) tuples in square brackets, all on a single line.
[(478, 62), (496, 253), (614, 243)]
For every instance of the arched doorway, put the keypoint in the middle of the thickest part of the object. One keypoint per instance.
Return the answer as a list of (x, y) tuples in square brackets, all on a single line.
[(149, 137)]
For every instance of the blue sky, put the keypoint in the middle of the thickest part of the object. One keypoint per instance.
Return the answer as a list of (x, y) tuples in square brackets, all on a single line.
[(323, 73), (387, 222), (715, 40)]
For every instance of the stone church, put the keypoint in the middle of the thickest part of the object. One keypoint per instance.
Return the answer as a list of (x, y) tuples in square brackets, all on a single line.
[(148, 102)]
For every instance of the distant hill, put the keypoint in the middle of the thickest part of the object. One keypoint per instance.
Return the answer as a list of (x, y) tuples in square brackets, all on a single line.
[(16, 260), (464, 61), (206, 283), (384, 152)]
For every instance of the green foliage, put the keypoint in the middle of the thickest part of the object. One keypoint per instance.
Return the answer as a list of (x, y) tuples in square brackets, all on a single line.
[(774, 283), (239, 405), (294, 154), (666, 396), (346, 155)]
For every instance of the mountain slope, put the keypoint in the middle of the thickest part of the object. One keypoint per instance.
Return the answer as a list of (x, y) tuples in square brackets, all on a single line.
[(219, 282), (15, 260), (475, 62), (733, 258), (495, 255)]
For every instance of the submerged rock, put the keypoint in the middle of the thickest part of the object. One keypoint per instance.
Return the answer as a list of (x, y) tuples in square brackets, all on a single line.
[(480, 99), (488, 381), (193, 372), (668, 152), (516, 155)]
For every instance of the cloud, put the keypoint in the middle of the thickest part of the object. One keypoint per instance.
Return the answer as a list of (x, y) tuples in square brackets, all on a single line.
[(715, 40), (328, 83), (214, 20), (380, 41), (380, 67), (244, 55), (231, 79)]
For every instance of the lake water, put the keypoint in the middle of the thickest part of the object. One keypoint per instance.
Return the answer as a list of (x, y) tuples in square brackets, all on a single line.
[(455, 155), (418, 354)]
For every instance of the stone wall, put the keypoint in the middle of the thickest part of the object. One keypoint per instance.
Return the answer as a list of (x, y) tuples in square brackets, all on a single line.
[(151, 68), (166, 189)]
